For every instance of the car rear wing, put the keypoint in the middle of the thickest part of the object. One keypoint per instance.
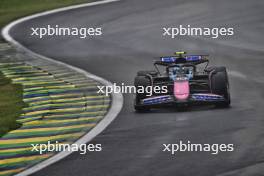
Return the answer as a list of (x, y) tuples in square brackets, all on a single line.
[(181, 59)]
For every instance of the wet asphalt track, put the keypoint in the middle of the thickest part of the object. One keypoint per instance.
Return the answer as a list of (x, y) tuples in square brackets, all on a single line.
[(132, 37)]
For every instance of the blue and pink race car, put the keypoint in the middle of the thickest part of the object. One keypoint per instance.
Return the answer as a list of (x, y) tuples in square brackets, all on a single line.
[(188, 80)]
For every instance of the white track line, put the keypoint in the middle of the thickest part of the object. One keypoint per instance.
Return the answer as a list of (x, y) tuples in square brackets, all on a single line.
[(117, 99)]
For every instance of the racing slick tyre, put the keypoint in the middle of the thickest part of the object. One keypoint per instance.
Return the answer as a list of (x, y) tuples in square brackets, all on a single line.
[(144, 73), (220, 85), (141, 81)]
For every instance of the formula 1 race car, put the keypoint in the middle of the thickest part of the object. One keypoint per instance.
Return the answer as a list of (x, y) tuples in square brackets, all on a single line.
[(188, 80)]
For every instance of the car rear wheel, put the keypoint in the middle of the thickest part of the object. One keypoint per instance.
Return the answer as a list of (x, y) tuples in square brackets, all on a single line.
[(220, 85)]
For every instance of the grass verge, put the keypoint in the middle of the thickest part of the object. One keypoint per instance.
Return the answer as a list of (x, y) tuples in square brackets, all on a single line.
[(11, 104), (13, 9)]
